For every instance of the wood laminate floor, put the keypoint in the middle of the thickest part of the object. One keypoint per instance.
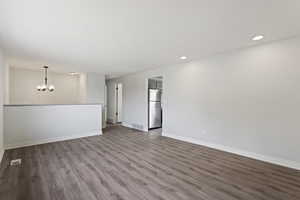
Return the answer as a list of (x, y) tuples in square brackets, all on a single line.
[(130, 165)]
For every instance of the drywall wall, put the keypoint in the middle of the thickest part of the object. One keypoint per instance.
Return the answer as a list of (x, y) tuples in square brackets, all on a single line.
[(111, 101), (6, 83), (1, 102), (49, 123), (23, 84), (245, 101), (95, 88), (82, 88), (94, 91)]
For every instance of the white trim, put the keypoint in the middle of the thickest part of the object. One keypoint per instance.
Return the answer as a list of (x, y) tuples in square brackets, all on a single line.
[(49, 140), (130, 126), (265, 158), (126, 125), (1, 155)]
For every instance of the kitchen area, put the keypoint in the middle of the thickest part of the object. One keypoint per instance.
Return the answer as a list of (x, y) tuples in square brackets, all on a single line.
[(155, 105), (49, 105)]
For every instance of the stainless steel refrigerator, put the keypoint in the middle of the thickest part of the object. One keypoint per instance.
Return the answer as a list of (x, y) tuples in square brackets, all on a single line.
[(155, 110)]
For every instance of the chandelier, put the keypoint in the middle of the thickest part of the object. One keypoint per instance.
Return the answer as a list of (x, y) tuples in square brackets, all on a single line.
[(45, 86)]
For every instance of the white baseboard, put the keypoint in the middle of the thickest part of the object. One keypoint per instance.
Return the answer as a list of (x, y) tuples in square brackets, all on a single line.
[(1, 155), (48, 140), (265, 158), (130, 126)]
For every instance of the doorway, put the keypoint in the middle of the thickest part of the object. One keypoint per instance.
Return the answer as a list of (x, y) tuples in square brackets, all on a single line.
[(119, 102), (155, 105)]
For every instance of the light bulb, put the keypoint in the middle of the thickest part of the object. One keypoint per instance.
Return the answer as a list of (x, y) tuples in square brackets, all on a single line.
[(74, 73), (51, 88), (39, 87), (183, 57), (44, 88), (257, 37)]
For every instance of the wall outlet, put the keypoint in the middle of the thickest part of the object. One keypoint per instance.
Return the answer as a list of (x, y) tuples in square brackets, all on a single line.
[(15, 162)]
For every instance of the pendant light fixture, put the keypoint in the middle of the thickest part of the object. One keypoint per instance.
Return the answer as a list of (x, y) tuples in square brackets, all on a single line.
[(45, 86)]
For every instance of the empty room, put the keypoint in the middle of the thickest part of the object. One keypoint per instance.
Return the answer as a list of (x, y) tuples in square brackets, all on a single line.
[(149, 100)]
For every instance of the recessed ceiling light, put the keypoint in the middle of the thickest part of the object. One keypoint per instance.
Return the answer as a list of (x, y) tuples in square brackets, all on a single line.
[(257, 37), (183, 57), (73, 73)]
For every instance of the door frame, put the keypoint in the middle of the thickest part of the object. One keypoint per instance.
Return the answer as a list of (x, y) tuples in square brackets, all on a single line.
[(118, 112)]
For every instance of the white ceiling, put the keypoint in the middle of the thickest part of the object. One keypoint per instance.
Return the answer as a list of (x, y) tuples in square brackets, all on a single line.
[(116, 37)]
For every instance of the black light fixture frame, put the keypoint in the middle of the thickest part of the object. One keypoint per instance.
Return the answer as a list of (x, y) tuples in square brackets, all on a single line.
[(41, 88)]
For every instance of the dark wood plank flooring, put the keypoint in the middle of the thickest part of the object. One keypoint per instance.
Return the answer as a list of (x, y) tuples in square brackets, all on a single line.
[(127, 164)]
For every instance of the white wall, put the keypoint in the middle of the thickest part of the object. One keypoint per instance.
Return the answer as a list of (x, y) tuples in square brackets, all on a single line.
[(1, 102), (95, 91), (111, 101), (95, 88), (82, 88), (69, 89), (23, 84), (49, 123), (6, 83), (245, 101)]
